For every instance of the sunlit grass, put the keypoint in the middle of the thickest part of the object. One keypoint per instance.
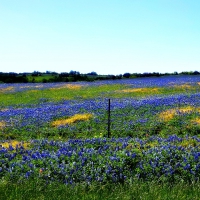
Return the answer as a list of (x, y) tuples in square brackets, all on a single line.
[(68, 86), (196, 121), (151, 91), (33, 86), (3, 110), (2, 125), (184, 86), (33, 91), (6, 89), (71, 120), (137, 92), (187, 143), (141, 90)]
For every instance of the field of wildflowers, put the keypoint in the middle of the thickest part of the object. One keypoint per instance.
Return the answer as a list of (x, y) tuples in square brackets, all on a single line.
[(57, 132)]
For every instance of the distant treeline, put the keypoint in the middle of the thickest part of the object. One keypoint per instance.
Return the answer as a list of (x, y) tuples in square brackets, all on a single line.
[(73, 76)]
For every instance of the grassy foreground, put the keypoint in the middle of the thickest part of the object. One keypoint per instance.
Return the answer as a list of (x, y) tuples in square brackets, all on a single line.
[(138, 190)]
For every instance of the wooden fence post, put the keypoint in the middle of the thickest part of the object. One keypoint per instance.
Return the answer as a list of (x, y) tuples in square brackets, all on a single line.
[(108, 118)]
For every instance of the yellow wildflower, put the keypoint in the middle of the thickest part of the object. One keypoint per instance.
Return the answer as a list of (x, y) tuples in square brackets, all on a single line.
[(171, 113), (167, 115), (186, 109), (14, 144), (70, 120)]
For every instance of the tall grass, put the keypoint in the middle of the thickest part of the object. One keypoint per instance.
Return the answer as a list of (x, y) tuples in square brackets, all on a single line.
[(31, 190)]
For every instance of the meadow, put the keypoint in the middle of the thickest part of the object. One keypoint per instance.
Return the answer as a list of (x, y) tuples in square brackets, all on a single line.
[(54, 137)]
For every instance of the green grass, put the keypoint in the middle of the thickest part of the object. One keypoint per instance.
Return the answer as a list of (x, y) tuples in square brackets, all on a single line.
[(138, 190), (86, 92), (57, 94), (39, 79)]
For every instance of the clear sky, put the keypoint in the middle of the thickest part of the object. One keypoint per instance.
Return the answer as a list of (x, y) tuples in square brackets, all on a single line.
[(105, 36)]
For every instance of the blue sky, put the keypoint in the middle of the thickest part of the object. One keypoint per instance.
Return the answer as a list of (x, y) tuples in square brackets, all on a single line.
[(107, 36)]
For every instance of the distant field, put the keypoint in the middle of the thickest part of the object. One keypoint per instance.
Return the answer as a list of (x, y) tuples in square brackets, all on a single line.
[(160, 106), (39, 79), (58, 131)]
